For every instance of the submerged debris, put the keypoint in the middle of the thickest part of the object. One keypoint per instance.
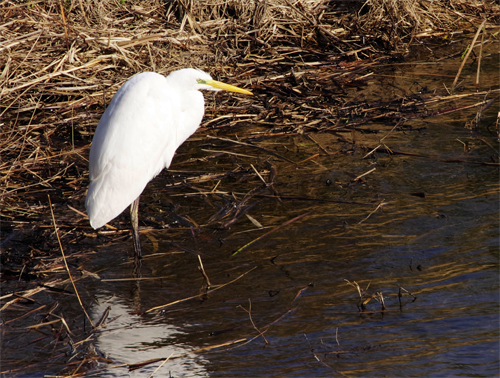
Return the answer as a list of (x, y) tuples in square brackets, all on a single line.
[(311, 63)]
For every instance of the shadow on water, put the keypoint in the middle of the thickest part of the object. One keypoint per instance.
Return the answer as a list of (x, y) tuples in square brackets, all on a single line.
[(418, 222)]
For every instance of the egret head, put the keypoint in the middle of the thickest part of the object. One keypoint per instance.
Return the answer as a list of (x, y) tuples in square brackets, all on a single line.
[(199, 80)]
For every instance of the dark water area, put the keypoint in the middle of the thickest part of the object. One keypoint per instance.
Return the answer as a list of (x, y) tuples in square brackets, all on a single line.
[(425, 222)]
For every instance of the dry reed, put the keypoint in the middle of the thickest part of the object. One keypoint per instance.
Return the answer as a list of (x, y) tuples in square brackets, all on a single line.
[(61, 63)]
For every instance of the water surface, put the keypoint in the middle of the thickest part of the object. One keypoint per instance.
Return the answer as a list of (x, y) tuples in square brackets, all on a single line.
[(419, 223)]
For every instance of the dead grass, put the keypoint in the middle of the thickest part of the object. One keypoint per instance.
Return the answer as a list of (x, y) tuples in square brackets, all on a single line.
[(61, 63)]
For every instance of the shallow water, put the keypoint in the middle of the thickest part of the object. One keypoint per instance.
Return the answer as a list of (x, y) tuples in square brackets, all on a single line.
[(442, 248), (435, 234)]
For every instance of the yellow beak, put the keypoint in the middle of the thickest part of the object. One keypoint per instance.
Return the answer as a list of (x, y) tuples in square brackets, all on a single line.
[(226, 87)]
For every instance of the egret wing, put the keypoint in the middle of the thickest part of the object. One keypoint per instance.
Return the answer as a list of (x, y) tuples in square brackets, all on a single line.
[(134, 140)]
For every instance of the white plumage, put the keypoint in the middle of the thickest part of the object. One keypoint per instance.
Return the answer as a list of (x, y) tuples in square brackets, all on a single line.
[(149, 117)]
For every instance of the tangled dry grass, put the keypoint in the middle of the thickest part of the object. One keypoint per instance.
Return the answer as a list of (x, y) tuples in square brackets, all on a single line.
[(62, 61)]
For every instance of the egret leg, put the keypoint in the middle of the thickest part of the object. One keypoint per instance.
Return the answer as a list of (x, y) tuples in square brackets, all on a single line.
[(134, 219)]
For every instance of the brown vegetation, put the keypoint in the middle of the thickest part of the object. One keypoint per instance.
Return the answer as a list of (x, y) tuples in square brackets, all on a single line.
[(62, 61)]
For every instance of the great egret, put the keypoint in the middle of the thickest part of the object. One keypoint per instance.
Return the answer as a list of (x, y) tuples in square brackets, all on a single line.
[(149, 117)]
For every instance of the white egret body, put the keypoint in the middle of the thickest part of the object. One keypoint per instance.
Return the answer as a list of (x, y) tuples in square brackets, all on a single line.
[(149, 117)]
